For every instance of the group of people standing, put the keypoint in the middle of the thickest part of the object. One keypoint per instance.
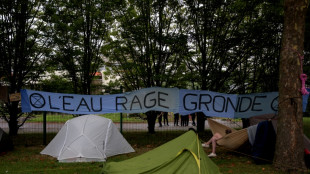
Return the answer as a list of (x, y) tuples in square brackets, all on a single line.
[(184, 119), (160, 117)]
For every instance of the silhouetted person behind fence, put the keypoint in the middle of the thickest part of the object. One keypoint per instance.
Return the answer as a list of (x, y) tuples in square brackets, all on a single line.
[(186, 120), (165, 114), (176, 119), (193, 115), (160, 117), (183, 120)]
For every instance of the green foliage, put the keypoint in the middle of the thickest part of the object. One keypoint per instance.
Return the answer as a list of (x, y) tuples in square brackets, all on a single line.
[(149, 48), (24, 43), (227, 46), (233, 44), (56, 84), (224, 46), (25, 47), (79, 31), (306, 126)]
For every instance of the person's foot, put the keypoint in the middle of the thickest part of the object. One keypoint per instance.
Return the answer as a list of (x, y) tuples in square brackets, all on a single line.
[(212, 155), (205, 145)]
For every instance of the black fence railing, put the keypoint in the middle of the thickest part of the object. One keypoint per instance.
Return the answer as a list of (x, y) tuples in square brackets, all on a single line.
[(54, 123)]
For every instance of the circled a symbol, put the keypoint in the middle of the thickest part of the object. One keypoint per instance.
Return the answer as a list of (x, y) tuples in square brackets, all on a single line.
[(37, 100)]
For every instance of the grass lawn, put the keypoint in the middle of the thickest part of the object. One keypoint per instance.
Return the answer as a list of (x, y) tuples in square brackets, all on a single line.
[(306, 121), (26, 156)]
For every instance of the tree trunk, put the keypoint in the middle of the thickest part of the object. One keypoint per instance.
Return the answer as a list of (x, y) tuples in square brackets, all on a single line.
[(13, 128), (200, 116), (245, 122), (13, 121), (201, 122), (151, 120), (289, 155)]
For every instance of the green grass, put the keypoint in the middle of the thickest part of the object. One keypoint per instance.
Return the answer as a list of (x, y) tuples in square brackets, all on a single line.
[(28, 160), (26, 156), (306, 126)]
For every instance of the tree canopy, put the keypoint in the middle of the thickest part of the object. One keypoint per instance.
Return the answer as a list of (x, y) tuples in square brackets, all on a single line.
[(24, 48), (229, 46)]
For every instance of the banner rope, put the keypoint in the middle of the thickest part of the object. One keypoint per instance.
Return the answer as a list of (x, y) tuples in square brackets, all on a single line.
[(302, 76)]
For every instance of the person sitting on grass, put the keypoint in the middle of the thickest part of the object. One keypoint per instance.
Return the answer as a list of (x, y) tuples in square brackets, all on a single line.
[(213, 140)]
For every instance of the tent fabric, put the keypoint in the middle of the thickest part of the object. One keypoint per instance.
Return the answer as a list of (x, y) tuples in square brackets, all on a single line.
[(231, 141), (251, 133), (274, 119), (260, 118), (183, 154), (87, 138), (264, 144), (6, 143)]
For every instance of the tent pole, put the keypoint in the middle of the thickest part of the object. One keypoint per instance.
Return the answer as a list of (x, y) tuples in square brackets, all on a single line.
[(121, 114), (44, 128)]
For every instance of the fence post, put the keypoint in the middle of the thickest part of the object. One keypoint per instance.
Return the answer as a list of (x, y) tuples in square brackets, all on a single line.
[(121, 114), (44, 128)]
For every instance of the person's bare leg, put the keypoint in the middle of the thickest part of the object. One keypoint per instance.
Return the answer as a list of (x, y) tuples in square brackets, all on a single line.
[(214, 139), (213, 145), (208, 142)]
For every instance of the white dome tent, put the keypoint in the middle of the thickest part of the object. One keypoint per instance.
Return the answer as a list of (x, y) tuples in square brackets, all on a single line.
[(87, 138)]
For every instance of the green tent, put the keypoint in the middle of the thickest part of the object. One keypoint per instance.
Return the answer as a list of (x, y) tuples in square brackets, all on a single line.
[(183, 154)]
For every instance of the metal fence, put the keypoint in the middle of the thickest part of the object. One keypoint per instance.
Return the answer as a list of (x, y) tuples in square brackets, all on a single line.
[(128, 123)]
